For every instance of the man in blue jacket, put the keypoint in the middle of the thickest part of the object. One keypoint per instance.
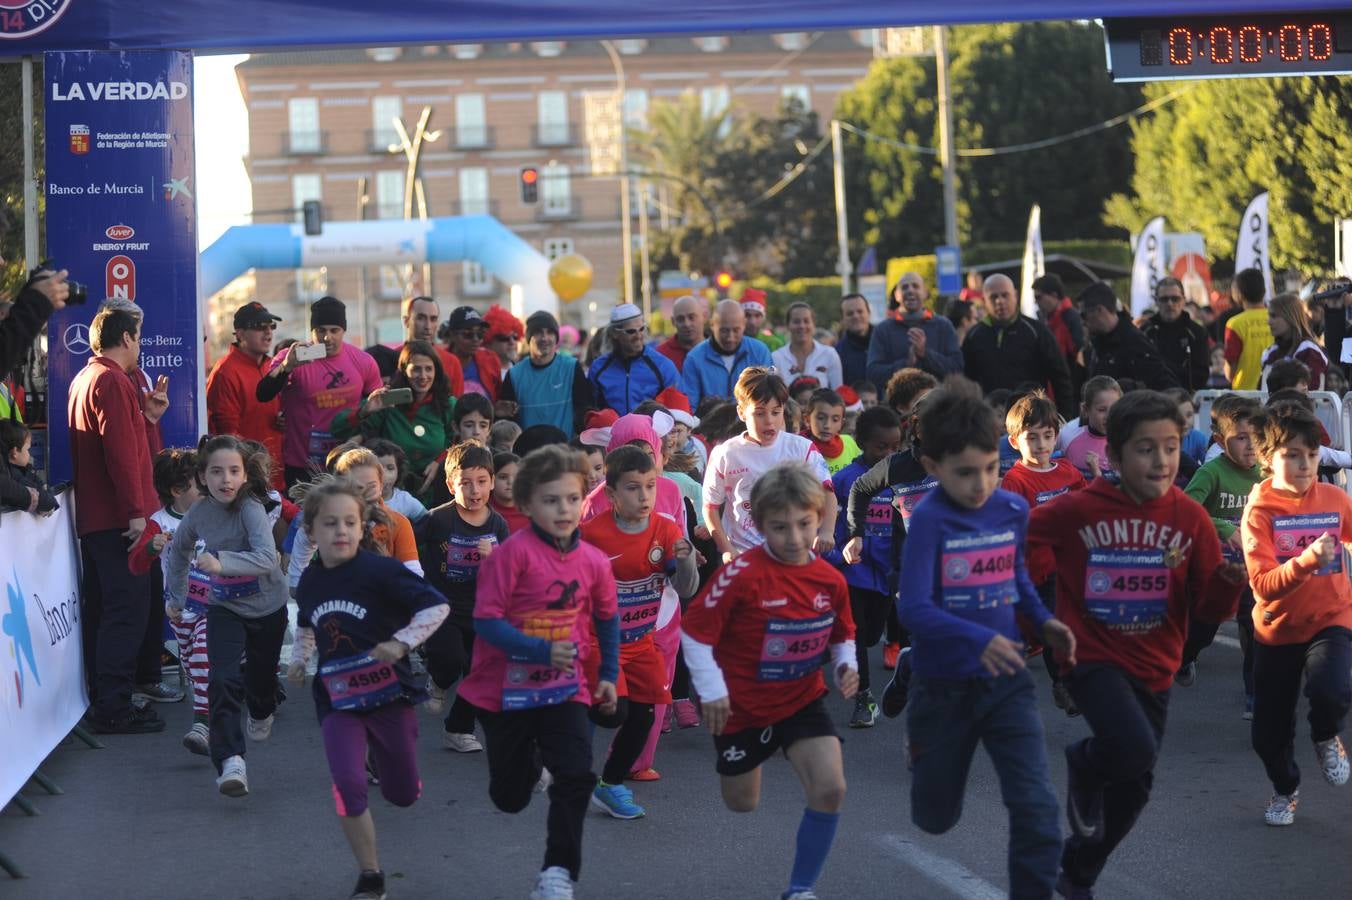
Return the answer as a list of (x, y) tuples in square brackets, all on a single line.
[(632, 371), (916, 339), (712, 368)]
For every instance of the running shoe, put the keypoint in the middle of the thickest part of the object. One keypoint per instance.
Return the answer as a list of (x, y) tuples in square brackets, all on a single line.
[(1282, 809), (1333, 760), (890, 653), (159, 692), (1084, 804), (799, 895), (137, 720), (898, 690), (1061, 697), (554, 883), (545, 780), (436, 698), (687, 716), (865, 711), (648, 774), (370, 886), (1187, 676), (461, 743), (1071, 891), (198, 739), (234, 778), (1248, 708), (259, 729), (616, 800)]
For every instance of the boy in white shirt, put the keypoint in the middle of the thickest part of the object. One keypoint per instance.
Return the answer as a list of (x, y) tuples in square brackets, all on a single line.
[(735, 465)]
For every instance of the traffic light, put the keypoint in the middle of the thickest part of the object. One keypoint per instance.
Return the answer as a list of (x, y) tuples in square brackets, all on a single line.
[(530, 185), (723, 281), (313, 213)]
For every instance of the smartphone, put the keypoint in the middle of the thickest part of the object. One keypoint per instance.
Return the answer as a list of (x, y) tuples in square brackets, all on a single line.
[(312, 352), (398, 396)]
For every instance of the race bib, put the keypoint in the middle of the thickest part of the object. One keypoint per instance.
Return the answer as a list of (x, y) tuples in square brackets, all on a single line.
[(528, 685), (878, 520), (1048, 496), (232, 587), (199, 591), (1292, 534), (640, 602), (1127, 590), (978, 572), (463, 556), (319, 445), (794, 648), (906, 496), (359, 682)]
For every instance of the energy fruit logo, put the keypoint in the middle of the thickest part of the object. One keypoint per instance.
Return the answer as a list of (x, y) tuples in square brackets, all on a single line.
[(23, 18), (15, 624)]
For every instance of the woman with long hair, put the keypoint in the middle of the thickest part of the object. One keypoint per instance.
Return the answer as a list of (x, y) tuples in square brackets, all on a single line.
[(1294, 338)]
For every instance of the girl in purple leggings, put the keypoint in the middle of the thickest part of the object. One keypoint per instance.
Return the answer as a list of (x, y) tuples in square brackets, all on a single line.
[(363, 612)]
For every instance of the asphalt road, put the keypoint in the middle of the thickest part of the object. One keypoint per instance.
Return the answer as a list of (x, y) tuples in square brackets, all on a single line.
[(142, 819)]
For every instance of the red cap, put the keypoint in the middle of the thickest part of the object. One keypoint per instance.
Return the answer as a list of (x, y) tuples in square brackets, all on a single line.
[(754, 296)]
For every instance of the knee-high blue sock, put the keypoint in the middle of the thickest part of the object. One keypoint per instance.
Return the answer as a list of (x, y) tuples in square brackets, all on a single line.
[(815, 834)]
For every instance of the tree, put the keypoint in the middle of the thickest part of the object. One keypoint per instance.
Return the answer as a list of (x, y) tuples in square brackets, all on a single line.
[(1201, 158), (1010, 84), (13, 273)]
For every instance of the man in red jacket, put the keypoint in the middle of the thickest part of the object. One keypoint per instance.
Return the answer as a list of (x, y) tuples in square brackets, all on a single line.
[(114, 494), (482, 368), (232, 407)]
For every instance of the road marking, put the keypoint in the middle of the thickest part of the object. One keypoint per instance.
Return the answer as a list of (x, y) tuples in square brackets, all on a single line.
[(955, 877)]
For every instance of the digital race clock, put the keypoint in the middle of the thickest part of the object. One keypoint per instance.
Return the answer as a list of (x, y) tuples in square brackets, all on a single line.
[(1229, 47)]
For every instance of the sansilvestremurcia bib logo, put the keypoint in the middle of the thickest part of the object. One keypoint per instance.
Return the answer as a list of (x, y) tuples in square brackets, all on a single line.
[(23, 18)]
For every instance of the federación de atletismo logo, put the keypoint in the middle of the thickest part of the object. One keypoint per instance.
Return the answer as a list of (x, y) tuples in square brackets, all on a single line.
[(23, 18), (15, 624)]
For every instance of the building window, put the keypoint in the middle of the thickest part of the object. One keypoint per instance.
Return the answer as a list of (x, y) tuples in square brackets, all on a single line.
[(711, 44), (636, 108), (304, 188), (474, 192), (384, 110), (553, 118), (475, 280), (390, 194), (556, 190), (304, 136), (311, 284), (631, 47), (796, 97), (792, 40), (556, 247), (466, 51), (471, 130), (713, 102), (384, 54), (547, 48), (391, 282)]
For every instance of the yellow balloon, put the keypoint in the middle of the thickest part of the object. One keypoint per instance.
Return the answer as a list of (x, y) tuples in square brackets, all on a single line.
[(570, 276)]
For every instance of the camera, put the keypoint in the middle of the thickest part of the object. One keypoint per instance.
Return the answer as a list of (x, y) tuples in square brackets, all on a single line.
[(79, 293)]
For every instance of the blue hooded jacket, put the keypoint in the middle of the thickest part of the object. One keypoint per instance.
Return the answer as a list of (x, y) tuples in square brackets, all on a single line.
[(704, 374)]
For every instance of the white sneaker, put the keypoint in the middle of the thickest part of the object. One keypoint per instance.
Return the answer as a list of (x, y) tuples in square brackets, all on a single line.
[(259, 729), (436, 698), (1333, 760), (462, 743), (1282, 809), (234, 779), (545, 781), (554, 884), (198, 739)]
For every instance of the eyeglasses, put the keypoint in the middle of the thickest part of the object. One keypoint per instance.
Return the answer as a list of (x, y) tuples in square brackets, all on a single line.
[(632, 331)]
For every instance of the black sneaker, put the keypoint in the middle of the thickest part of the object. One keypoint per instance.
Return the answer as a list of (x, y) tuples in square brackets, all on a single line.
[(1187, 676), (865, 711), (135, 721), (898, 690), (370, 886), (1084, 804), (1070, 891), (1061, 697)]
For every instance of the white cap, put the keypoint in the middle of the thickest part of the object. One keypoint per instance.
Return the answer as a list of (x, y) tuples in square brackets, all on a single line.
[(624, 312)]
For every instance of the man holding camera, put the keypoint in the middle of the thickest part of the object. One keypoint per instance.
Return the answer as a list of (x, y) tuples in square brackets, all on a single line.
[(45, 292), (232, 407)]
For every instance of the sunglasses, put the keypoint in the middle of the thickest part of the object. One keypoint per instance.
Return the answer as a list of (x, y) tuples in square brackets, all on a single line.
[(633, 331), (267, 326)]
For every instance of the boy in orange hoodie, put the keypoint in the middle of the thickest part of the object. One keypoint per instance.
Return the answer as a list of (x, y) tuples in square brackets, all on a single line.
[(1294, 531)]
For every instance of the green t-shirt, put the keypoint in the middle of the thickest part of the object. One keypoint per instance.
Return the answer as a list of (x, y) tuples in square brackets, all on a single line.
[(1223, 490)]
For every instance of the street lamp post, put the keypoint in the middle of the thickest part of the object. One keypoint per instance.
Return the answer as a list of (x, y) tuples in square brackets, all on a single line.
[(413, 187), (626, 226)]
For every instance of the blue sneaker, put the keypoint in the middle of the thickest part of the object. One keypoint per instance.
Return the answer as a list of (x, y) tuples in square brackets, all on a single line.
[(616, 800)]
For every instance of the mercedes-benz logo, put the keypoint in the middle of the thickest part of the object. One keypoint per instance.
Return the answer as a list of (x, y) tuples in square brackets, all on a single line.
[(76, 339)]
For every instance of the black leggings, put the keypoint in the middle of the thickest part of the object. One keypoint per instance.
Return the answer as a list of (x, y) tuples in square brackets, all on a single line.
[(635, 722), (870, 610)]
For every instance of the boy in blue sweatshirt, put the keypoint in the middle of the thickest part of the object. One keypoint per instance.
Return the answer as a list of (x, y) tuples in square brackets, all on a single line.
[(965, 579)]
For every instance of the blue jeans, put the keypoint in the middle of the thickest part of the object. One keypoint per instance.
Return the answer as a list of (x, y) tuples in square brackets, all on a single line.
[(946, 719)]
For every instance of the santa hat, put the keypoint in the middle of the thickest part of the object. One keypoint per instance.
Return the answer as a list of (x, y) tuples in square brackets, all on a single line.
[(678, 404), (596, 427), (753, 297), (631, 427), (852, 401)]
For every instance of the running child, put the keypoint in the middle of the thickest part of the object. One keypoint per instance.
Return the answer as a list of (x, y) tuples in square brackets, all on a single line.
[(363, 612), (1134, 562), (735, 465), (871, 581), (1223, 485), (459, 536), (646, 550), (1085, 449), (1295, 528), (239, 588), (825, 422), (964, 581), (536, 595), (503, 502), (756, 640)]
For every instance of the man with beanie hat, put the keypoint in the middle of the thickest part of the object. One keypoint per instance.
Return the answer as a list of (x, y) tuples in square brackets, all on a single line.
[(232, 404), (314, 391), (633, 371), (1119, 349), (547, 387)]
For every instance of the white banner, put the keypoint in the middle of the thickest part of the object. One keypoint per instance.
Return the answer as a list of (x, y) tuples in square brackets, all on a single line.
[(42, 687), (1034, 265), (1148, 267), (1251, 252)]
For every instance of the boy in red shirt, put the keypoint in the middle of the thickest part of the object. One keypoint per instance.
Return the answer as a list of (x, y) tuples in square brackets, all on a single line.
[(1133, 563), (1294, 528), (645, 550), (755, 641)]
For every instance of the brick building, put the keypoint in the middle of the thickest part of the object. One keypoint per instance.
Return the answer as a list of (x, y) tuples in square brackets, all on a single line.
[(321, 120)]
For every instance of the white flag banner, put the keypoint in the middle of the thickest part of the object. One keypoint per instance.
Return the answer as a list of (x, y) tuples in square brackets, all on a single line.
[(1148, 267), (1252, 250), (1034, 265)]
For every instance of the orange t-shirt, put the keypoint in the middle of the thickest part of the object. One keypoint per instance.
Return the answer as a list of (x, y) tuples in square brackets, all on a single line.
[(1293, 602), (401, 544)]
